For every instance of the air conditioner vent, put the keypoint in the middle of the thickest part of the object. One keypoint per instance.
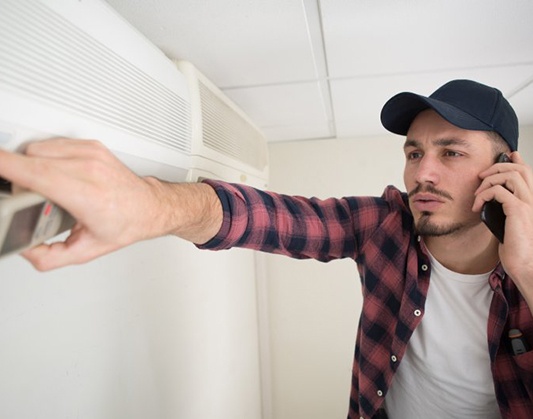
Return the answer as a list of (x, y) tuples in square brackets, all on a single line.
[(47, 58), (227, 132)]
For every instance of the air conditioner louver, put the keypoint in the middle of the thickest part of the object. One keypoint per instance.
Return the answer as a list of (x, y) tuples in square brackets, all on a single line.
[(228, 133), (222, 132), (47, 58)]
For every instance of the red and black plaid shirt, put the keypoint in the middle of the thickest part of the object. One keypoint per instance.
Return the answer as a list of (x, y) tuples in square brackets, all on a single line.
[(394, 270)]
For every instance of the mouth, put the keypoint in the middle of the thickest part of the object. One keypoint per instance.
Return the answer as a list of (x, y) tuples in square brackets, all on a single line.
[(424, 202)]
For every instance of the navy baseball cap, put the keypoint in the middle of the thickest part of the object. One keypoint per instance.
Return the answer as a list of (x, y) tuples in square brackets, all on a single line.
[(464, 103)]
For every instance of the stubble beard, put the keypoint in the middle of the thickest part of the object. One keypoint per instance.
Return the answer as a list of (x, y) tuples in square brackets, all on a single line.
[(424, 226)]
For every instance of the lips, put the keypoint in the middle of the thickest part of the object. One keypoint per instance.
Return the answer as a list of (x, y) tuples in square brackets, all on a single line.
[(425, 202)]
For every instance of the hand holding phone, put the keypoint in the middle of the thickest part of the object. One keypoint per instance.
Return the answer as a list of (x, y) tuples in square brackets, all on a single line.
[(492, 212)]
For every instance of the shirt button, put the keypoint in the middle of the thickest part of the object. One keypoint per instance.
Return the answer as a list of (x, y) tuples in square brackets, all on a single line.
[(380, 393), (417, 313), (424, 267), (419, 239), (393, 358)]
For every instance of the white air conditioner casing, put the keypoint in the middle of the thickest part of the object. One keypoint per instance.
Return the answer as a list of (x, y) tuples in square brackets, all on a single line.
[(78, 69), (225, 142)]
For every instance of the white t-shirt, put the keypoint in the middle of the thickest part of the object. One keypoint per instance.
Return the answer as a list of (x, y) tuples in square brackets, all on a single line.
[(445, 372)]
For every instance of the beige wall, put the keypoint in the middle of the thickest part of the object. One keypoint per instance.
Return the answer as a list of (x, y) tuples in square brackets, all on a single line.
[(314, 307), (158, 330)]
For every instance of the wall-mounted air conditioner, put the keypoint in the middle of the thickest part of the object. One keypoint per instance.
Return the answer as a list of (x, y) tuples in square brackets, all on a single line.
[(78, 69)]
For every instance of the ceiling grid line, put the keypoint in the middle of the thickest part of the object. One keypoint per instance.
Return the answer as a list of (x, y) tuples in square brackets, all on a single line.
[(313, 19)]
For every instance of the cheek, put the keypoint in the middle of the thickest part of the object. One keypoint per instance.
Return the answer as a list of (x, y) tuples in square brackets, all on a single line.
[(468, 186), (407, 180)]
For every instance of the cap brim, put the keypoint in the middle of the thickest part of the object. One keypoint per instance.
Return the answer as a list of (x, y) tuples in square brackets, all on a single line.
[(400, 111)]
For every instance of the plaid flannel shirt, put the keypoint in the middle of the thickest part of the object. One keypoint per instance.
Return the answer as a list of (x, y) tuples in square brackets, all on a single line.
[(394, 270)]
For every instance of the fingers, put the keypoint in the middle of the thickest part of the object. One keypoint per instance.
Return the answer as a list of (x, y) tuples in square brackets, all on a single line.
[(60, 148), (511, 180), (78, 248), (16, 168), (505, 181), (49, 256), (41, 167), (518, 165), (498, 193)]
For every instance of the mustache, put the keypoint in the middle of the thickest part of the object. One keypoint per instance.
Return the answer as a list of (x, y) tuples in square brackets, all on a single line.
[(429, 189)]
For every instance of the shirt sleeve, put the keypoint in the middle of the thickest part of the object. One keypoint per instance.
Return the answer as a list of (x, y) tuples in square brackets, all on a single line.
[(295, 226)]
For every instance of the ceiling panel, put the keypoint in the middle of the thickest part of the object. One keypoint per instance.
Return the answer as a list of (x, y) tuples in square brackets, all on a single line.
[(357, 102), (285, 112), (233, 42), (366, 37)]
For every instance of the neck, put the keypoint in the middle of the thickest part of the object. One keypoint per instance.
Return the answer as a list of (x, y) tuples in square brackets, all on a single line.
[(471, 252)]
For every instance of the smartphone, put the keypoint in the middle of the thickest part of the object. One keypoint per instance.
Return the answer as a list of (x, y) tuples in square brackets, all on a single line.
[(492, 212)]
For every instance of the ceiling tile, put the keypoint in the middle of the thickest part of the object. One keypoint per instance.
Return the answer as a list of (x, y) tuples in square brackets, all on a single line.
[(233, 42), (367, 37), (291, 111), (357, 103)]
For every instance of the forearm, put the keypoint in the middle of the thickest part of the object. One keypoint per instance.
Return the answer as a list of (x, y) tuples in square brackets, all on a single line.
[(191, 211)]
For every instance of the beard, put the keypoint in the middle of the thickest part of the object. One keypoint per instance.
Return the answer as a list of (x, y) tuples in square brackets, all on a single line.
[(426, 227)]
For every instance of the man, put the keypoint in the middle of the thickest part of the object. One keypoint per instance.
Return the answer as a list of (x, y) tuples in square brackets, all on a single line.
[(443, 350)]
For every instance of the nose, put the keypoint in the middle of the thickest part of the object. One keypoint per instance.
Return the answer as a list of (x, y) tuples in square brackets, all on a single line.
[(427, 170)]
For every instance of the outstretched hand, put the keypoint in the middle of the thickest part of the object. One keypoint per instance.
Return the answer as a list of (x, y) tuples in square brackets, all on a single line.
[(113, 206)]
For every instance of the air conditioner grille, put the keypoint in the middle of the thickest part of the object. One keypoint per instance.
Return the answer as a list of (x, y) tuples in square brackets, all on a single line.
[(228, 133), (46, 57)]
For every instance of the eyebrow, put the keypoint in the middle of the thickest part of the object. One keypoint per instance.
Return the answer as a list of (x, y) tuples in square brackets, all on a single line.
[(442, 142)]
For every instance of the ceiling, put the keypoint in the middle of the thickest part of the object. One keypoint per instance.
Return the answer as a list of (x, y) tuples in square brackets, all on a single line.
[(309, 69)]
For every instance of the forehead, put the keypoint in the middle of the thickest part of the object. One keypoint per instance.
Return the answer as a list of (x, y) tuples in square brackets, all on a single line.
[(429, 128)]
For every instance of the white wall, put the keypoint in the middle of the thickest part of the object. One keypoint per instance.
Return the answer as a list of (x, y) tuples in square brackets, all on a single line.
[(159, 330), (314, 307)]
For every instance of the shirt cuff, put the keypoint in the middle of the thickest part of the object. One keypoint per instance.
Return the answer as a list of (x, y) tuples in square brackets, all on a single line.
[(233, 218)]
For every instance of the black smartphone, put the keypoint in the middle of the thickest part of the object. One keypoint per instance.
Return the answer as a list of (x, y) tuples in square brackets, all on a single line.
[(492, 212)]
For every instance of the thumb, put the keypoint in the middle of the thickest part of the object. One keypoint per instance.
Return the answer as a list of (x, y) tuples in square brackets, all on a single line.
[(79, 247)]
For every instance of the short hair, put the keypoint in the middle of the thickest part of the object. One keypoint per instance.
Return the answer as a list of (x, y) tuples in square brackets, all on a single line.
[(499, 145)]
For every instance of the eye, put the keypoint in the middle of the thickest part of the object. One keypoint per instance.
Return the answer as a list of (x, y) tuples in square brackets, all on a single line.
[(452, 153), (413, 155)]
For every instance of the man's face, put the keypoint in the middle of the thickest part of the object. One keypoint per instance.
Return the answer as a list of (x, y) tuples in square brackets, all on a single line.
[(441, 174)]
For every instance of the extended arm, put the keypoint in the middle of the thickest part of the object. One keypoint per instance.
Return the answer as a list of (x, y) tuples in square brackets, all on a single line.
[(114, 208)]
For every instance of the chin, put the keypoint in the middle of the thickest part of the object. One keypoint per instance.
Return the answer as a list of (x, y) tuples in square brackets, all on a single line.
[(427, 226)]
